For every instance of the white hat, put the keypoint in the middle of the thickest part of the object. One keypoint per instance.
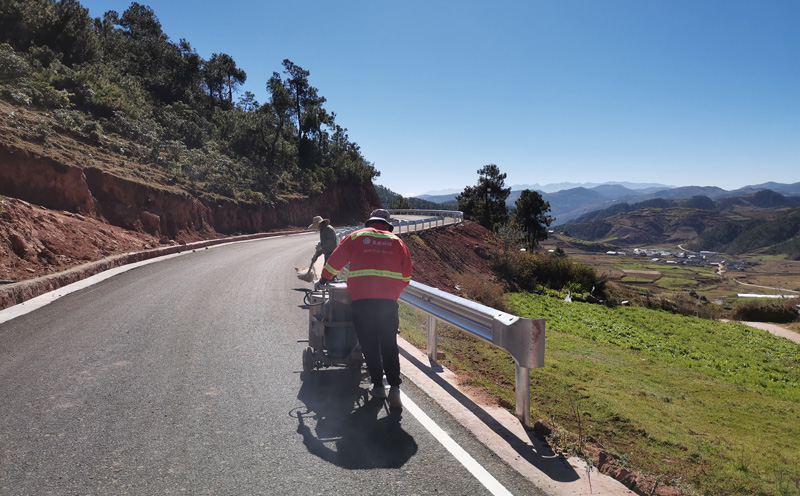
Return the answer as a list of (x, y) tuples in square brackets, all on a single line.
[(317, 220)]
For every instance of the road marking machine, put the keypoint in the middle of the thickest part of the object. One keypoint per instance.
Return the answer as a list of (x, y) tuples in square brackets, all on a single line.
[(332, 339)]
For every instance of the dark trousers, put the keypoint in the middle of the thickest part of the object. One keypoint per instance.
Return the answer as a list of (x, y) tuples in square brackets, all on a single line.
[(376, 322)]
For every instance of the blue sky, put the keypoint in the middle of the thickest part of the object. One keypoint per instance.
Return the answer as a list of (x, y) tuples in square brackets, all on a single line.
[(677, 92)]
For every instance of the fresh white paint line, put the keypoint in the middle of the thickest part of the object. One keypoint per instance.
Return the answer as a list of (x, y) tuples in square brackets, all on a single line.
[(29, 306), (47, 298), (476, 469)]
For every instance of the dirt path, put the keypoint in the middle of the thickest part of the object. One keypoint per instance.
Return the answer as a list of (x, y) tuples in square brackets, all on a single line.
[(763, 287), (773, 329)]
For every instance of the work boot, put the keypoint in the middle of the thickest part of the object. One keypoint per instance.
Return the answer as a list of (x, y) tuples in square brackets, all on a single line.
[(378, 391), (394, 397)]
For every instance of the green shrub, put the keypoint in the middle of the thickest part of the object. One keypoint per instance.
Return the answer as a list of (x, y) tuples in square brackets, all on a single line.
[(525, 271), (782, 312), (13, 67)]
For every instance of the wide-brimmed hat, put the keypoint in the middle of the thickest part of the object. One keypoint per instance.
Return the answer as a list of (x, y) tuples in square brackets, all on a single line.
[(317, 220), (379, 215)]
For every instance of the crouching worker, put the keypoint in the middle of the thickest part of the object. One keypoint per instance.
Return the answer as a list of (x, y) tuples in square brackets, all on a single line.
[(380, 269), (327, 238)]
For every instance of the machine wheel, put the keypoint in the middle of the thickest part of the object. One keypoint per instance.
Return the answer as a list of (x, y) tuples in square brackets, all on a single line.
[(308, 360)]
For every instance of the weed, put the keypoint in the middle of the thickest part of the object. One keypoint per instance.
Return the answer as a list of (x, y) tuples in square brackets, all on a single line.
[(744, 462)]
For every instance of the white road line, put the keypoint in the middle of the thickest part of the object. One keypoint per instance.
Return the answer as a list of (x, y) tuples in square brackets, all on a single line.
[(29, 306), (476, 469)]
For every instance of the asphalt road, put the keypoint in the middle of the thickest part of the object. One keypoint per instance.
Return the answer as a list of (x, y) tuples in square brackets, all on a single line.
[(184, 377)]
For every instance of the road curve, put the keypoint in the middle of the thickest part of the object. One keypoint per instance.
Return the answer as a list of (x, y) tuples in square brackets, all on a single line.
[(184, 376)]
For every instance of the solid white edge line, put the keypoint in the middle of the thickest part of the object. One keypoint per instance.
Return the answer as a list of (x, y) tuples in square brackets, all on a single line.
[(475, 468), (38, 302)]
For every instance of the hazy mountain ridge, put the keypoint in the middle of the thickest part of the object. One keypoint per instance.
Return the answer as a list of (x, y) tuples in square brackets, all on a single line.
[(571, 203), (768, 199), (762, 221)]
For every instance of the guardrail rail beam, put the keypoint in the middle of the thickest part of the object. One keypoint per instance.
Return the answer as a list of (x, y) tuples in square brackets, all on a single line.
[(522, 338)]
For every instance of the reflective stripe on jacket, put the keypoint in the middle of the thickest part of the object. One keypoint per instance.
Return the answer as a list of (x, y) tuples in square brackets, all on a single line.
[(380, 265)]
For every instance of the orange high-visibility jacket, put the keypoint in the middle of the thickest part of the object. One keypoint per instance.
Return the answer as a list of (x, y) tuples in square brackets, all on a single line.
[(380, 265)]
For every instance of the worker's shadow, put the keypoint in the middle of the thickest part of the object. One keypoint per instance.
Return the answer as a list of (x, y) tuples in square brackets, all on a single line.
[(340, 425)]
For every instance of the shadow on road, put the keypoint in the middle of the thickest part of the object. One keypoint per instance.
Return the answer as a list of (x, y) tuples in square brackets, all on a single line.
[(535, 450), (340, 425)]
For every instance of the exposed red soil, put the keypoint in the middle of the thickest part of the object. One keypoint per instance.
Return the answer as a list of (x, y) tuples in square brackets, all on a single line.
[(35, 241), (441, 257)]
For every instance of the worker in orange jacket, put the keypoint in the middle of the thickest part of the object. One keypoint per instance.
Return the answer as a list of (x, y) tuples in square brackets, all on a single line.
[(380, 269)]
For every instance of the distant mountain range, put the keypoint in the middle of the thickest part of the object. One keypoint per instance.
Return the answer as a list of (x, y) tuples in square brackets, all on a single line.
[(553, 187), (576, 200), (765, 222)]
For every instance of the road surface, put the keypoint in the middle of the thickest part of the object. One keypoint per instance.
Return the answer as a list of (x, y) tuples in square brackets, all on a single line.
[(183, 376)]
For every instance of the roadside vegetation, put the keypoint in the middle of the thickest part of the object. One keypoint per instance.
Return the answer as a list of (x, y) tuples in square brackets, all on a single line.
[(119, 85), (708, 407), (657, 384)]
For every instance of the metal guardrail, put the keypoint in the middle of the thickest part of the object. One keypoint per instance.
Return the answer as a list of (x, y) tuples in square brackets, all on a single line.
[(431, 218), (520, 337)]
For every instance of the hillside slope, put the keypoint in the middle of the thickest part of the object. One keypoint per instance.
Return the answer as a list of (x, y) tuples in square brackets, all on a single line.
[(51, 167), (443, 257), (733, 225), (67, 202)]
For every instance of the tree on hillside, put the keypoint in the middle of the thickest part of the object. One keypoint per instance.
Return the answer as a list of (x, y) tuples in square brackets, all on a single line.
[(297, 99), (120, 76), (142, 51), (64, 27), (140, 22), (486, 201), (280, 106), (308, 110), (530, 216), (222, 77)]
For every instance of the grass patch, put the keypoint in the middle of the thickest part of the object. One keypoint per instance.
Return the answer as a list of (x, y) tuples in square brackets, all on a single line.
[(676, 283), (636, 280), (708, 406)]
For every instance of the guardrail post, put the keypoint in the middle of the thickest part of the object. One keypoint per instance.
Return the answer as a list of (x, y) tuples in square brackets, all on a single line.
[(433, 337), (523, 338), (522, 394)]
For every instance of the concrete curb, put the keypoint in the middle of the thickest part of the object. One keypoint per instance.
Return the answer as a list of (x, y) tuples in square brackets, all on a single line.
[(503, 433)]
